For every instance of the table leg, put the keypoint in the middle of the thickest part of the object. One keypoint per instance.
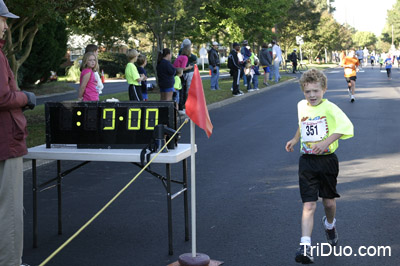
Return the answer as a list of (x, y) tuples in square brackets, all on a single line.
[(59, 197), (34, 192), (169, 202), (185, 199)]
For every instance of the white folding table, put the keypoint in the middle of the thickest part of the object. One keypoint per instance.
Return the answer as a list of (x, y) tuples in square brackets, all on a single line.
[(71, 153)]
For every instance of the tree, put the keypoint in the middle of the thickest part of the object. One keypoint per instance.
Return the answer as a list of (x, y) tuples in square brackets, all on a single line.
[(392, 22), (364, 39), (33, 14), (302, 20), (48, 51), (103, 20), (234, 21)]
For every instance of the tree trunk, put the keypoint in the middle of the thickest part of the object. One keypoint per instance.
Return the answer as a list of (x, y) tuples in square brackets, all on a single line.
[(26, 37)]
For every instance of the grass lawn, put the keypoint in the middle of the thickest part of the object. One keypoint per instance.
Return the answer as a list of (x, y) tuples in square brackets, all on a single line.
[(36, 117)]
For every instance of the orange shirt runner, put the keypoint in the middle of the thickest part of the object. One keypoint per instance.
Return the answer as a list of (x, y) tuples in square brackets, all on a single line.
[(350, 64)]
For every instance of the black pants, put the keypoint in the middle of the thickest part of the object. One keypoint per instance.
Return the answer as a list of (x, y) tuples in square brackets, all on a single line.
[(135, 93), (388, 72), (182, 94), (294, 66), (236, 80)]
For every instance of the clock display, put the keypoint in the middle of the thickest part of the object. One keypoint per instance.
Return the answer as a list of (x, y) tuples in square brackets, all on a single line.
[(112, 125)]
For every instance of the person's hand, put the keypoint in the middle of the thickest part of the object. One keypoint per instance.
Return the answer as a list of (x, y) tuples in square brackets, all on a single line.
[(319, 148), (290, 145), (31, 100)]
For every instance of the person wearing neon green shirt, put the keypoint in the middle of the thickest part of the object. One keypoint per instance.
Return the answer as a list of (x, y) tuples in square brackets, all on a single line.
[(321, 125), (133, 77)]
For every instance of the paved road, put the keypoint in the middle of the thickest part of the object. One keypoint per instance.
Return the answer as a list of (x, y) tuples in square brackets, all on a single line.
[(248, 201)]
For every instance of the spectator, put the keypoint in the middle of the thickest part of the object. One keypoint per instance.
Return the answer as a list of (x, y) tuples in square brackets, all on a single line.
[(142, 62), (293, 59), (12, 147), (248, 75), (133, 77), (265, 61), (182, 62), (87, 87), (94, 49), (177, 85), (256, 73), (276, 60), (235, 69), (214, 64), (165, 74), (245, 56), (188, 73)]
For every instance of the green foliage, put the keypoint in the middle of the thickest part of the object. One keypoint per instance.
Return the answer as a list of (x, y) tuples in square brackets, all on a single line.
[(301, 20), (364, 39), (48, 50), (392, 23), (112, 63), (73, 72)]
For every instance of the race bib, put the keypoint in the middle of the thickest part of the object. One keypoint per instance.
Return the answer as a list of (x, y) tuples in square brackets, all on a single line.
[(348, 71), (314, 130)]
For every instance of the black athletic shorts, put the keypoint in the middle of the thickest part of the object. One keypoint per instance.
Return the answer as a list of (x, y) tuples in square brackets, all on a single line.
[(350, 78), (318, 176)]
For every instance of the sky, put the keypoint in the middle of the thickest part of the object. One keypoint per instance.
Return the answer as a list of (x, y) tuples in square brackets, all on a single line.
[(364, 15)]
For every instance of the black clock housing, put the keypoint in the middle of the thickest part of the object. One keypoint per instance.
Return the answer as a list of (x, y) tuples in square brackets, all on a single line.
[(108, 125)]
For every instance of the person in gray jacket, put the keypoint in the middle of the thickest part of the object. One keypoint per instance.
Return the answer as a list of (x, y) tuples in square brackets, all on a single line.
[(213, 64), (265, 61)]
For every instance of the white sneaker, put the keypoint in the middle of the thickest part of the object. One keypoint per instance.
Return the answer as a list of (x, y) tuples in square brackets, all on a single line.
[(250, 90)]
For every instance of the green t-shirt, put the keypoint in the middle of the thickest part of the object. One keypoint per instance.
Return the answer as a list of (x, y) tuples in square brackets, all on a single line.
[(132, 74), (319, 122), (178, 83)]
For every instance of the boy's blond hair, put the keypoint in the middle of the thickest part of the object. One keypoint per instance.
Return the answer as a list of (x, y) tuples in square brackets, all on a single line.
[(132, 53), (313, 76)]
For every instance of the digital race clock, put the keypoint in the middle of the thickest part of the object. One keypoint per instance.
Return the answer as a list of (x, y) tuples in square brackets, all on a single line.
[(111, 125)]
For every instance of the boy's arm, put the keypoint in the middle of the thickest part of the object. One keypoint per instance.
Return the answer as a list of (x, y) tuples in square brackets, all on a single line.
[(291, 143), (320, 147)]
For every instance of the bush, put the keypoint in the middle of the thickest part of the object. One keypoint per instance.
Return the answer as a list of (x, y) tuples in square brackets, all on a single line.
[(112, 64)]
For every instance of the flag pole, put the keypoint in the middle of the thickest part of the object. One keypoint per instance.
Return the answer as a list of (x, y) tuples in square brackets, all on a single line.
[(193, 183)]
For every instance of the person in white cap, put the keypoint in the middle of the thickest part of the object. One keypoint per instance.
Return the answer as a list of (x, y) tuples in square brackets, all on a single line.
[(213, 64), (12, 147)]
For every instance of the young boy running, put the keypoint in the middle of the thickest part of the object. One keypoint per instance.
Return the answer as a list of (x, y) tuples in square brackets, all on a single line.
[(321, 125)]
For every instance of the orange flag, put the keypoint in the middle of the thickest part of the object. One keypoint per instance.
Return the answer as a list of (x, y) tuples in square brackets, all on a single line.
[(196, 107)]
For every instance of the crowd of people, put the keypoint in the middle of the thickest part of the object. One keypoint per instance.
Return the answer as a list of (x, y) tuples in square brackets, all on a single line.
[(243, 63)]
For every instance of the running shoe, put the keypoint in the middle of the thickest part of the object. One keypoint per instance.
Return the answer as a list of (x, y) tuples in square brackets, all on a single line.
[(331, 235), (352, 99), (265, 83), (303, 255), (250, 90), (238, 93)]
